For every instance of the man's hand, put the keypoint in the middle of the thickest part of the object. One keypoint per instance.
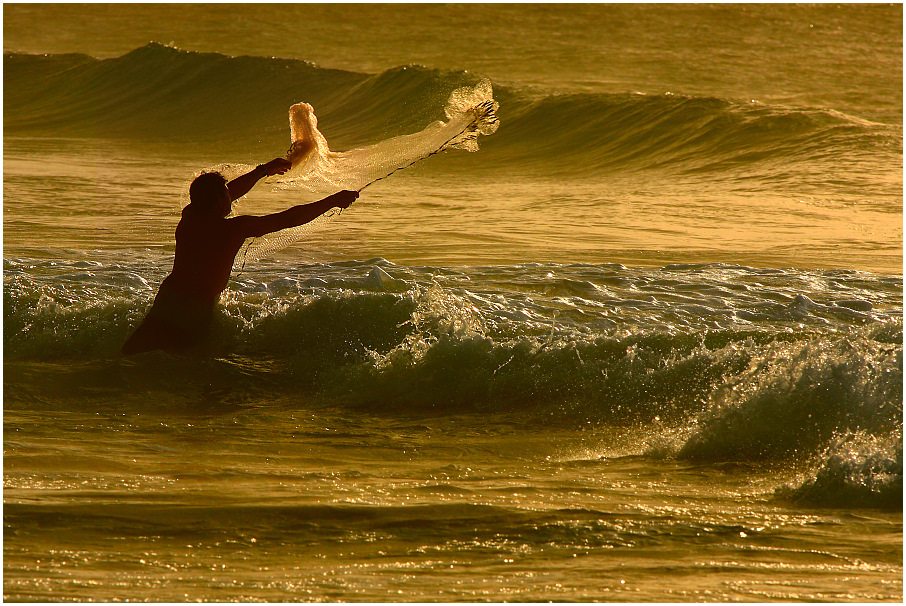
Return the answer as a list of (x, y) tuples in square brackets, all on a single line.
[(277, 166), (342, 199), (240, 186)]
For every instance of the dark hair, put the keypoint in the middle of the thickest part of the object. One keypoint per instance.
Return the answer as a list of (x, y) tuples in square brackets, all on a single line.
[(206, 188)]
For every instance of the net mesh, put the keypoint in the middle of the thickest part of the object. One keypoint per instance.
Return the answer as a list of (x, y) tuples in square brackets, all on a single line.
[(318, 171)]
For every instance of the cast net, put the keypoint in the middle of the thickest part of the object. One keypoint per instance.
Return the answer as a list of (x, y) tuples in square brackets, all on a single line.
[(470, 112)]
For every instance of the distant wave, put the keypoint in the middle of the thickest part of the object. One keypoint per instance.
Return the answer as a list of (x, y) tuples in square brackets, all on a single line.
[(159, 92)]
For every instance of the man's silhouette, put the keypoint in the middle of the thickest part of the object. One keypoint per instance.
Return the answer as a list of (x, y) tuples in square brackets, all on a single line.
[(206, 246)]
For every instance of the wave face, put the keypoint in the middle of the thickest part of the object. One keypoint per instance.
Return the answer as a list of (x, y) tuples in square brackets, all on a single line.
[(159, 93), (705, 362)]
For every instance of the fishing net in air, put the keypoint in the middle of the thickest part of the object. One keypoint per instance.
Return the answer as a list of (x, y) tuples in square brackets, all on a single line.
[(470, 112)]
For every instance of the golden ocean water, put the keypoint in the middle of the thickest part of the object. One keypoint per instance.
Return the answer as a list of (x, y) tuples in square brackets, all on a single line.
[(644, 344)]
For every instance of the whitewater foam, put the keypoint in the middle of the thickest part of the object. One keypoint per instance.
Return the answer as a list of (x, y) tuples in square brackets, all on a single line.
[(563, 346)]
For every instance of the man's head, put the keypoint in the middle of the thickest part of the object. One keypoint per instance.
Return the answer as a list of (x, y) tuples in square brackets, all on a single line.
[(209, 193)]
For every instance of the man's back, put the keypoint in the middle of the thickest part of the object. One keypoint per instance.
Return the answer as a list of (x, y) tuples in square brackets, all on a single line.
[(205, 250)]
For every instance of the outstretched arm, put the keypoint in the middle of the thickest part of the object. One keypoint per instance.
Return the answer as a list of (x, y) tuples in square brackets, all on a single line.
[(240, 186), (253, 227)]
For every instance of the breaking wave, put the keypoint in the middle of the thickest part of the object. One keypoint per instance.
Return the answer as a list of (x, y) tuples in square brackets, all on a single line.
[(711, 362)]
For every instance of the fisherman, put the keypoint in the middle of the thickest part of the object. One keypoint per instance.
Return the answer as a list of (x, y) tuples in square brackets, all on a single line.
[(206, 246)]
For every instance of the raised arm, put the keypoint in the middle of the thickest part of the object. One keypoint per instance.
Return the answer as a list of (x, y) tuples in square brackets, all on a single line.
[(253, 227), (240, 186)]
